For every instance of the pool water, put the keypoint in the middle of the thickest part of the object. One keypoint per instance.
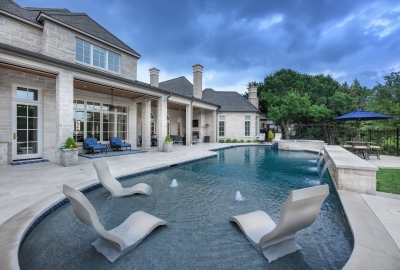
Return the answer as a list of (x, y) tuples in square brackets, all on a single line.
[(198, 234)]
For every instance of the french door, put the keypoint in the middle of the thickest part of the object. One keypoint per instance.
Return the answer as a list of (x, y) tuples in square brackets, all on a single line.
[(27, 124)]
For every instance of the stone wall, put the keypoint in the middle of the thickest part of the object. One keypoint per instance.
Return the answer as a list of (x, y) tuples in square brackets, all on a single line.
[(234, 126), (59, 42), (299, 145), (7, 79), (350, 172), (20, 34)]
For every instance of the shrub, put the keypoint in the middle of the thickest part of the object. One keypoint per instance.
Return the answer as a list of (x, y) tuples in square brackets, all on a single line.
[(221, 141), (241, 141), (248, 141), (255, 141), (271, 135), (235, 141), (168, 138), (228, 140)]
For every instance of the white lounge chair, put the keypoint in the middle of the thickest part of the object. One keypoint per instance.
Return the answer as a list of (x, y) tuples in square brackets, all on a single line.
[(120, 240), (112, 184), (300, 210)]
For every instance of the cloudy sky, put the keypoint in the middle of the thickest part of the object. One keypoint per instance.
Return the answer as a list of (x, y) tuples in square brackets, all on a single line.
[(241, 41)]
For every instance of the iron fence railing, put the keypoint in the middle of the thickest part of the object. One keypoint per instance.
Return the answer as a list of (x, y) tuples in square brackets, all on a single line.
[(331, 134)]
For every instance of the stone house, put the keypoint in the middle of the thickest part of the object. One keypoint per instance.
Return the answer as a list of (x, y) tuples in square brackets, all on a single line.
[(63, 75)]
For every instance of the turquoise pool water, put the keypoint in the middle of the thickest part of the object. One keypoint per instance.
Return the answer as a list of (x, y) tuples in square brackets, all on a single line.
[(198, 234)]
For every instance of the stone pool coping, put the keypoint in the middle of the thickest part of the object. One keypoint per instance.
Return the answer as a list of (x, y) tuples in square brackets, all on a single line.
[(373, 246)]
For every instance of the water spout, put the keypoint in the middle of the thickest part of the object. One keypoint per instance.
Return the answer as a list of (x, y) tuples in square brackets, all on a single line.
[(239, 197), (320, 160), (320, 152), (329, 162), (174, 183)]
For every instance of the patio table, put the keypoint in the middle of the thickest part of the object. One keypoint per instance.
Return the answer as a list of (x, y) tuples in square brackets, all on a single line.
[(360, 148)]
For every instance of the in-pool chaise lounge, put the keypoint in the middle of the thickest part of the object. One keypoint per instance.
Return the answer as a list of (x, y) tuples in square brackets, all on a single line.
[(300, 210), (120, 240), (112, 184)]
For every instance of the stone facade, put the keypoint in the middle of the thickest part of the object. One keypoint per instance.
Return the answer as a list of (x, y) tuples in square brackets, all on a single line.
[(197, 81), (235, 126), (21, 35), (58, 42), (3, 153)]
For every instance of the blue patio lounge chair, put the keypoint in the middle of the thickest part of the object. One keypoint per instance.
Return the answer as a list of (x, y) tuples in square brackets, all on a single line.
[(117, 143), (93, 145), (120, 240), (272, 240)]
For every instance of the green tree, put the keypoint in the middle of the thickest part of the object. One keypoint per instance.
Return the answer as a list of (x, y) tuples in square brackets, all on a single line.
[(288, 97), (385, 99)]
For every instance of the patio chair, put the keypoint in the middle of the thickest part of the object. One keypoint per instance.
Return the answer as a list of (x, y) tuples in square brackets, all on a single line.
[(360, 147), (92, 144), (118, 241), (375, 149), (179, 139), (194, 139), (112, 184), (272, 240), (345, 146), (117, 143)]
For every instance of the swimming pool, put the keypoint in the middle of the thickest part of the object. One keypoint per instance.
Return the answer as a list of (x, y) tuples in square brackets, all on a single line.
[(198, 233)]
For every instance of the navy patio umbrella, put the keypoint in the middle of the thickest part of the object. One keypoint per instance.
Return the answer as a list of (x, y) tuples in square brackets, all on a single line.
[(362, 115)]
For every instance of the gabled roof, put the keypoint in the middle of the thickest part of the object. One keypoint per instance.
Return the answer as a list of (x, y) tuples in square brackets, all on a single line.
[(229, 101), (80, 21), (180, 86)]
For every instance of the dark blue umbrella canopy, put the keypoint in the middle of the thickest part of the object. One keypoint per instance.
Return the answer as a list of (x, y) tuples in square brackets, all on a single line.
[(360, 115)]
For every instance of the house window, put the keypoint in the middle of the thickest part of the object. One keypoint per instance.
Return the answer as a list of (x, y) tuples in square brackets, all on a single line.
[(99, 57), (247, 125), (96, 56), (257, 126), (82, 53), (113, 62), (221, 125), (100, 121)]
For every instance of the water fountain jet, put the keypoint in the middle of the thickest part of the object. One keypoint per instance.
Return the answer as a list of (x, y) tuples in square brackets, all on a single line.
[(239, 197), (174, 183)]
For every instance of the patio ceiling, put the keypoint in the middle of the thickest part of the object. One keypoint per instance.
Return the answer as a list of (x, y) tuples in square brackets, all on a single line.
[(28, 70)]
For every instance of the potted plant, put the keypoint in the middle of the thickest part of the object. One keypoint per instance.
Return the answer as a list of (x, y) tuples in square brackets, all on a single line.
[(168, 144), (69, 153)]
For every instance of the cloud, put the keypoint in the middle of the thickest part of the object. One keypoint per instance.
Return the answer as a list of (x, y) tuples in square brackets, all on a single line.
[(241, 41)]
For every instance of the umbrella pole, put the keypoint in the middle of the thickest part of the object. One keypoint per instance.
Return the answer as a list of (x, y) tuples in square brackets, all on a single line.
[(359, 124)]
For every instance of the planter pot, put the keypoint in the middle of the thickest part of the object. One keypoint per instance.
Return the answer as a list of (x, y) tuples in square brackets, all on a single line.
[(69, 157), (168, 146)]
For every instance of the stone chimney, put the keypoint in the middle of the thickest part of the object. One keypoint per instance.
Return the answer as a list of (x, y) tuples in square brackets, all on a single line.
[(198, 81), (154, 77), (253, 95)]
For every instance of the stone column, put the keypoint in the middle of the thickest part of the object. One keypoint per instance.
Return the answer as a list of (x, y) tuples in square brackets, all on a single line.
[(189, 121), (154, 74), (253, 98), (198, 81), (146, 124), (64, 108), (202, 125), (133, 136), (214, 127), (161, 122)]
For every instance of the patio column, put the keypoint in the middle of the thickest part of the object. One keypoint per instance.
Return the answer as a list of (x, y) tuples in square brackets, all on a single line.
[(64, 108), (214, 122), (133, 138), (161, 122), (146, 124), (189, 118), (203, 127)]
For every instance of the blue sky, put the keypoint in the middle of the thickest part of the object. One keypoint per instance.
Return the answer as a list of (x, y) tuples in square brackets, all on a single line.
[(241, 41)]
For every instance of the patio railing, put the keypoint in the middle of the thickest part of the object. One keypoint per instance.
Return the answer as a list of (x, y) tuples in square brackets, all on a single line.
[(330, 135)]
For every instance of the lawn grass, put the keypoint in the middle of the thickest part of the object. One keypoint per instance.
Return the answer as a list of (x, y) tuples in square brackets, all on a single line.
[(388, 180)]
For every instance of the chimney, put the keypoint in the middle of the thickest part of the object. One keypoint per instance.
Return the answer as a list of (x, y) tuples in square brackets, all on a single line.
[(253, 95), (154, 77), (198, 81)]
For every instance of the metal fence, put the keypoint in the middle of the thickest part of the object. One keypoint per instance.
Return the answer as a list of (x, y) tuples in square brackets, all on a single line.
[(331, 134)]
